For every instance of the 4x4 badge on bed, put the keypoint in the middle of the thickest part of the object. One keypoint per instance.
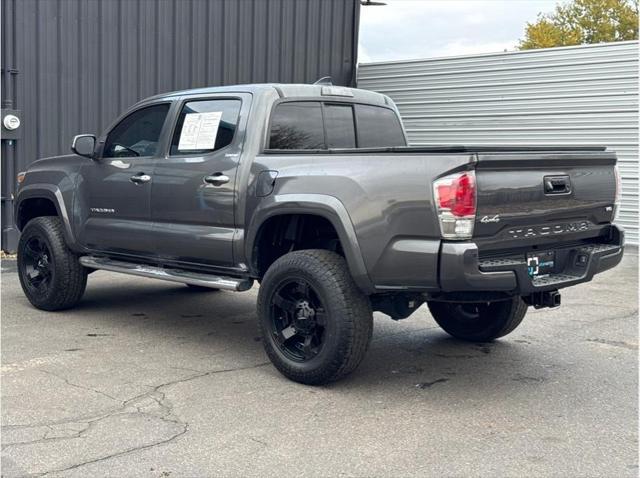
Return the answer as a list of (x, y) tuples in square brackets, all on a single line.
[(486, 219)]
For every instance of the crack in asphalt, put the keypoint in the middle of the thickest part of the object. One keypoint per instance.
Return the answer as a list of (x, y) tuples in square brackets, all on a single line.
[(154, 388), (47, 439), (258, 441), (628, 316), (615, 343), (82, 387), (156, 394), (174, 437)]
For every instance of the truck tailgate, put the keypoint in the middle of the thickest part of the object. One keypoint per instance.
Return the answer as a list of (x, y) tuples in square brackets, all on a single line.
[(530, 198)]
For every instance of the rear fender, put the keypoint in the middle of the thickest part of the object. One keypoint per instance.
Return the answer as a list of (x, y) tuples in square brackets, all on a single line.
[(322, 205)]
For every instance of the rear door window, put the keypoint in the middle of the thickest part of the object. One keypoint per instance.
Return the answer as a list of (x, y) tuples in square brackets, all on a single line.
[(297, 125), (205, 126), (378, 127)]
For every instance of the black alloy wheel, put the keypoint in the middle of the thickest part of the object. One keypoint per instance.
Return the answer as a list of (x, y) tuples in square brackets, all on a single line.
[(298, 320), (37, 261), (315, 323)]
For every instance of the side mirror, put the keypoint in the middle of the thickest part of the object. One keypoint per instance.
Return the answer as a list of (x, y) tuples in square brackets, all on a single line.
[(84, 145)]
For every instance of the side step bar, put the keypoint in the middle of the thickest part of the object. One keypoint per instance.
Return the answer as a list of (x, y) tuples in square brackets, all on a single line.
[(173, 275)]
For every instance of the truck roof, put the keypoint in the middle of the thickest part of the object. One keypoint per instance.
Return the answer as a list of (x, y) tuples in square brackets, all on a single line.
[(285, 90)]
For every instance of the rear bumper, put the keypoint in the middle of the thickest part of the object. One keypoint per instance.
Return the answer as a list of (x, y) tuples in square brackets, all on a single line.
[(462, 270)]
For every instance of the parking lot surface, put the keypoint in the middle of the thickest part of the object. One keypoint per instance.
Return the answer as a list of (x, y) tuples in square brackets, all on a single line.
[(151, 379)]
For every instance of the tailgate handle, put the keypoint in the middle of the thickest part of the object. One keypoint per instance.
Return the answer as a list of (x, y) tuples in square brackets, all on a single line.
[(557, 185)]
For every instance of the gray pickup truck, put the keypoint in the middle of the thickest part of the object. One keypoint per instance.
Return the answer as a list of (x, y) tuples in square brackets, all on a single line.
[(312, 191)]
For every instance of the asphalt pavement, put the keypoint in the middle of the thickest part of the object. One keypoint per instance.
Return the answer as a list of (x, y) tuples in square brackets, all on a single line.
[(148, 378)]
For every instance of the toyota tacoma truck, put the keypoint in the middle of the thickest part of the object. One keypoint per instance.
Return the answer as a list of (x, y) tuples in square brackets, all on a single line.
[(313, 192)]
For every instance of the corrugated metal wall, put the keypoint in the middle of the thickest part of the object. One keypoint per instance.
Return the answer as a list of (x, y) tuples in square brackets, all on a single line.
[(575, 95), (71, 66)]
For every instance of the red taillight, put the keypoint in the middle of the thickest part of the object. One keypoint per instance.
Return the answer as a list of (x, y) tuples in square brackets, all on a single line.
[(457, 194), (455, 198)]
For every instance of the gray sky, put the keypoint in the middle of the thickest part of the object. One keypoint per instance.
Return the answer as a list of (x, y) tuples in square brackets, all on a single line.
[(407, 29)]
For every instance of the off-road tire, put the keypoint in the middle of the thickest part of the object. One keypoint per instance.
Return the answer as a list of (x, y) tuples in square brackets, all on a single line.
[(349, 319), (492, 319), (68, 279)]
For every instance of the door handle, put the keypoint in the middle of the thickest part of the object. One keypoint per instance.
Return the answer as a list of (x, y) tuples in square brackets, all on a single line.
[(140, 178), (557, 185), (216, 179)]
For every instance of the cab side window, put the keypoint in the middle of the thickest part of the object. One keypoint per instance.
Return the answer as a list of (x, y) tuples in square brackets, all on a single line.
[(297, 125), (319, 125), (205, 126), (378, 127), (138, 134)]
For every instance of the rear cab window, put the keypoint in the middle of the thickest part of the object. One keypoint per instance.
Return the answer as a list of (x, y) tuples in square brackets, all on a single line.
[(340, 126), (319, 125)]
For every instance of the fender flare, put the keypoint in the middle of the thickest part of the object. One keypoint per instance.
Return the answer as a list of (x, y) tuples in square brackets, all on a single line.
[(52, 193), (328, 207)]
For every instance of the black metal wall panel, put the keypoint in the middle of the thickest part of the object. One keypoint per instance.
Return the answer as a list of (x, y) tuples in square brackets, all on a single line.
[(71, 66)]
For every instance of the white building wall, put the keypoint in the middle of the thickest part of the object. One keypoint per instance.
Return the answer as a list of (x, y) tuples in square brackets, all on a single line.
[(573, 95)]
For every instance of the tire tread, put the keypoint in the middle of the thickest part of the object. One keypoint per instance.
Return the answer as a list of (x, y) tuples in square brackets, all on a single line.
[(352, 306), (70, 275)]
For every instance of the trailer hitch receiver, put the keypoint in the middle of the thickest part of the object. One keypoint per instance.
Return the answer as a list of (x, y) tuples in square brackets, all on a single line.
[(540, 300)]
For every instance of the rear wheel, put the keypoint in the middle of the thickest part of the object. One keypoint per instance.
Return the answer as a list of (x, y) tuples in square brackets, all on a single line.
[(50, 274), (480, 321), (316, 324)]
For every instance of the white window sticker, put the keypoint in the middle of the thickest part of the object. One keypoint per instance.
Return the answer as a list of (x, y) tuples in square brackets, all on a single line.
[(199, 131)]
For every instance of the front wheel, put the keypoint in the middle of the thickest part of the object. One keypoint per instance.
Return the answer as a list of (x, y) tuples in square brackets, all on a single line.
[(50, 274), (479, 321), (316, 324)]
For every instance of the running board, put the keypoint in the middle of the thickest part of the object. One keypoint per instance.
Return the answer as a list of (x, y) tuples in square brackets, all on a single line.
[(173, 275)]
